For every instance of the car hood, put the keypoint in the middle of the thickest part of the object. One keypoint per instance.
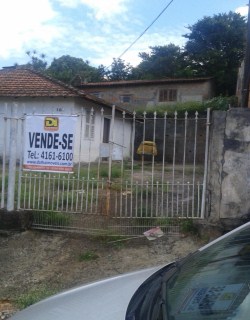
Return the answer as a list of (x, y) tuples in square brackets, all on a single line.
[(103, 300)]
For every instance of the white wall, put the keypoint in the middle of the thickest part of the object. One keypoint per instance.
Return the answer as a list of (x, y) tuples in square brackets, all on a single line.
[(85, 149)]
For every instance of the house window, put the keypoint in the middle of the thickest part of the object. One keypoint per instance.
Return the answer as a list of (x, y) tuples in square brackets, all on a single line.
[(90, 125), (126, 98), (97, 94), (106, 130), (168, 95)]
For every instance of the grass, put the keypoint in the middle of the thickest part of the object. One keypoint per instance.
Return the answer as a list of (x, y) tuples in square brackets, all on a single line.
[(52, 218), (33, 296), (187, 226), (87, 256), (115, 172), (109, 238)]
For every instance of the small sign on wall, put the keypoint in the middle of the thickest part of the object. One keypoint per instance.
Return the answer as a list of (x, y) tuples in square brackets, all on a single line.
[(49, 143)]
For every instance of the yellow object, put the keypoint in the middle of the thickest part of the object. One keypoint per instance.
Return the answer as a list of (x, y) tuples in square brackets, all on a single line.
[(147, 147)]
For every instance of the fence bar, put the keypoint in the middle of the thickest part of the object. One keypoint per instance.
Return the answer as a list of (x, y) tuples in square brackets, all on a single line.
[(39, 191), (163, 161), (194, 163), (34, 192), (142, 160), (205, 166), (20, 164), (4, 160), (184, 161), (173, 169), (132, 161), (153, 167), (111, 142), (12, 158)]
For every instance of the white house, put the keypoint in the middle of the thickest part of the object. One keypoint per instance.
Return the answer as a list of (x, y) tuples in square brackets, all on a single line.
[(99, 124)]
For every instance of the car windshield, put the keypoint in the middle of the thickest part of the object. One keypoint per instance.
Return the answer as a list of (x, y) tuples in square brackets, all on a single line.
[(213, 284)]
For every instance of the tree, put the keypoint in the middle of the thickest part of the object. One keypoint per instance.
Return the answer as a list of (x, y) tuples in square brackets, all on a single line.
[(162, 61), (66, 68), (37, 62), (215, 47), (119, 70)]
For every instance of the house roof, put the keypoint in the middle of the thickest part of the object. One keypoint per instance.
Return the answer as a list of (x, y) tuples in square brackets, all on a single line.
[(21, 82), (130, 83)]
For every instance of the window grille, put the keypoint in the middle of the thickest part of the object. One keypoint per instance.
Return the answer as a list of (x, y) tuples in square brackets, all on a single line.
[(90, 125), (125, 98), (168, 95)]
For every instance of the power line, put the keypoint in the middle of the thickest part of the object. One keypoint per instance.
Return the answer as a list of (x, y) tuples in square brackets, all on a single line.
[(165, 8)]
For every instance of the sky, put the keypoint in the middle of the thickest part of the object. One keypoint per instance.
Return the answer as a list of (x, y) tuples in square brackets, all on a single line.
[(99, 30)]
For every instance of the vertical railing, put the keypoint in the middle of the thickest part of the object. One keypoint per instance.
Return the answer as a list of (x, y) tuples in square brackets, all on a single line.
[(173, 165), (163, 162), (20, 164), (3, 175), (203, 202), (159, 189), (153, 166), (184, 163), (194, 162), (12, 158)]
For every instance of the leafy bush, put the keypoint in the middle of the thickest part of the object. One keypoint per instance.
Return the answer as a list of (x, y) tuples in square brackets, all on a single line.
[(221, 103), (216, 103), (188, 226)]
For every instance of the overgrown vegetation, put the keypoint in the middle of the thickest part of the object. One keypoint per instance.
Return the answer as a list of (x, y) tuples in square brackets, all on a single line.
[(191, 107)]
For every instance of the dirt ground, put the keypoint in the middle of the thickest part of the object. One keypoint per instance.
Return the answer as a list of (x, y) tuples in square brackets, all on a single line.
[(39, 261)]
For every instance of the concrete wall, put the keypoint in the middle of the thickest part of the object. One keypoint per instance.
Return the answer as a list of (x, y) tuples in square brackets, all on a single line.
[(229, 166)]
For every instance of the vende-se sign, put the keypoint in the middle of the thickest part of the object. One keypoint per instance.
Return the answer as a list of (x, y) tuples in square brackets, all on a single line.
[(49, 143)]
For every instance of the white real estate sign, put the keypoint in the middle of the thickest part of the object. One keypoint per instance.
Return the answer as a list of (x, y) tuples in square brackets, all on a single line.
[(49, 142)]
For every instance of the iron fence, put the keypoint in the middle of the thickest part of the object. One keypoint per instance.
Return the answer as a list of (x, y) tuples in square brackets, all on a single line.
[(126, 196)]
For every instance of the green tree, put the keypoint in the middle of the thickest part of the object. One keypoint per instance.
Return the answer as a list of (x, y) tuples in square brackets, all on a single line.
[(215, 47), (119, 70), (37, 61), (162, 61), (66, 68)]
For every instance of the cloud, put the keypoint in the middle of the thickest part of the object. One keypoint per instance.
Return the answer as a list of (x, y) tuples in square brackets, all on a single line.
[(68, 3), (58, 27), (100, 9), (26, 23), (242, 10), (116, 48)]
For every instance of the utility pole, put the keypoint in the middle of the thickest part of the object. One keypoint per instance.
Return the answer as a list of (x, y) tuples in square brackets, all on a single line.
[(246, 75)]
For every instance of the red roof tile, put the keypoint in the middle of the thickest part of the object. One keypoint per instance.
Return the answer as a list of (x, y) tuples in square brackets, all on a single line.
[(18, 82), (21, 82)]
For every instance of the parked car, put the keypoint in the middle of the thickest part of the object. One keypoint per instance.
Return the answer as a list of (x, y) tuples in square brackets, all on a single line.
[(212, 283)]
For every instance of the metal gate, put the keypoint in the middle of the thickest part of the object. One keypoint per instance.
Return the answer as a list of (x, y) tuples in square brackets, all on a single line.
[(162, 182)]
